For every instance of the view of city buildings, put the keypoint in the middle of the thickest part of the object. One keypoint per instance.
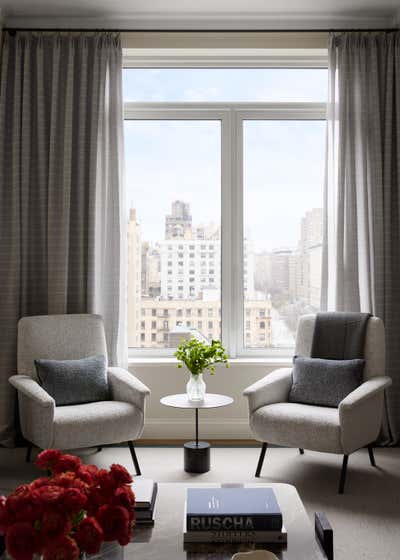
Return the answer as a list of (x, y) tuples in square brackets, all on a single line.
[(174, 286)]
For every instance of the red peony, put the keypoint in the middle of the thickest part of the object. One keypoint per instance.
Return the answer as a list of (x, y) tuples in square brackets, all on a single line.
[(106, 483), (125, 497), (24, 504), (114, 520), (63, 548), (51, 495), (42, 481), (67, 463), (54, 524), (87, 473), (47, 459), (21, 541), (120, 475), (64, 480), (74, 500), (89, 535)]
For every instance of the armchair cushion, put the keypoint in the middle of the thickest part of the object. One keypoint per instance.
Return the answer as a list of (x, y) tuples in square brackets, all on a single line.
[(324, 382), (97, 423), (298, 425), (74, 381)]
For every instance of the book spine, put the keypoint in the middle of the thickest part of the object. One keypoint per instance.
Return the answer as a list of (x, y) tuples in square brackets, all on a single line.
[(234, 523), (235, 537)]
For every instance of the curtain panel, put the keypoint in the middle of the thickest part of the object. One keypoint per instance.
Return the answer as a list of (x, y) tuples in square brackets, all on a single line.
[(61, 175), (361, 250)]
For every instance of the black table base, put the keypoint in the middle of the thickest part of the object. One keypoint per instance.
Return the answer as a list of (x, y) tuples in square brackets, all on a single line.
[(197, 456)]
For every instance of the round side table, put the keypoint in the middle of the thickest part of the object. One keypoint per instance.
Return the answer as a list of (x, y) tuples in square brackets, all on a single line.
[(196, 453)]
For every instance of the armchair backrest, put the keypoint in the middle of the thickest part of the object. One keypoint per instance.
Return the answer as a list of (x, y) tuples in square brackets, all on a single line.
[(58, 337), (374, 349)]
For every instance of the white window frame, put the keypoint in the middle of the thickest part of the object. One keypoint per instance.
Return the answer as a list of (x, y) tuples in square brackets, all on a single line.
[(232, 117)]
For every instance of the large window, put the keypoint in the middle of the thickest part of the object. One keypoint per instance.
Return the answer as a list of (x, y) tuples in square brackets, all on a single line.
[(224, 174)]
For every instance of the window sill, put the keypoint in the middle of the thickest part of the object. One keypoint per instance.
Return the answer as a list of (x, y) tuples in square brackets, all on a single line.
[(245, 361)]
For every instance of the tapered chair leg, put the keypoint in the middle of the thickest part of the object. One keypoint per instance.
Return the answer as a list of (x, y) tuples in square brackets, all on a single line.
[(301, 451), (28, 454), (134, 458), (371, 455), (261, 459), (342, 480)]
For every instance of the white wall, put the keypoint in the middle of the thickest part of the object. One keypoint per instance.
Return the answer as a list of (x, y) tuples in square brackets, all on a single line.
[(229, 422)]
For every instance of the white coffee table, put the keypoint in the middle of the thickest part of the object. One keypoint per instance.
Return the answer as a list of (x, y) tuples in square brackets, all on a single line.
[(196, 453)]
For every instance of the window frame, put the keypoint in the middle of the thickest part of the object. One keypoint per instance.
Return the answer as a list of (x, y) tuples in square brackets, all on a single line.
[(231, 117)]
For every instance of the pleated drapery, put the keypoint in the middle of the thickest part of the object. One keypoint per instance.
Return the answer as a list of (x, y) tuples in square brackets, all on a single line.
[(61, 211), (361, 256)]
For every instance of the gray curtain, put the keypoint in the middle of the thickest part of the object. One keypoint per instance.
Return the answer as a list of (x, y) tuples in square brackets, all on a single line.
[(61, 161), (361, 257)]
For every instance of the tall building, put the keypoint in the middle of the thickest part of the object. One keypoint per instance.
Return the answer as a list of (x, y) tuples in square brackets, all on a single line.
[(151, 284), (310, 257), (178, 224), (134, 279)]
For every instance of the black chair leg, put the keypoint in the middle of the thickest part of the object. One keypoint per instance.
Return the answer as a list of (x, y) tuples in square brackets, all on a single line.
[(134, 458), (301, 451), (99, 448), (28, 454), (371, 455), (261, 459), (343, 474)]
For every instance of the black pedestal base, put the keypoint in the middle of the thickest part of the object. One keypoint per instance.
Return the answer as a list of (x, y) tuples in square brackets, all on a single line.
[(197, 457)]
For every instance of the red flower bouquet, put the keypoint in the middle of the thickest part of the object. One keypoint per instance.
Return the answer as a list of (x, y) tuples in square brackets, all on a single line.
[(70, 512)]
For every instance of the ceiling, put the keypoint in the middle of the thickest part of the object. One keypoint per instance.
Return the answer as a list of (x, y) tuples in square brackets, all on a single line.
[(203, 14)]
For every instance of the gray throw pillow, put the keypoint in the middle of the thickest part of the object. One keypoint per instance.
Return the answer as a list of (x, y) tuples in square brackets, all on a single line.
[(324, 382), (74, 381)]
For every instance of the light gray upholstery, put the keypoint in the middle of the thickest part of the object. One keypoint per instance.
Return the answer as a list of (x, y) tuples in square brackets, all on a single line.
[(44, 424), (58, 337), (354, 424)]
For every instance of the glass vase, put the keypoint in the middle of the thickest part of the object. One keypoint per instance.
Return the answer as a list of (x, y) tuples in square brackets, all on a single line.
[(196, 388)]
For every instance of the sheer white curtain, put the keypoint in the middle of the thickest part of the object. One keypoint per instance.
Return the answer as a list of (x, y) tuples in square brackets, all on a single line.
[(361, 254), (62, 218)]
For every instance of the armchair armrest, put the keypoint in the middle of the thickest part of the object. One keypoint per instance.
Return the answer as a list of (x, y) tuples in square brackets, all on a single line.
[(365, 391), (360, 414), (36, 411), (127, 388), (272, 388), (31, 389)]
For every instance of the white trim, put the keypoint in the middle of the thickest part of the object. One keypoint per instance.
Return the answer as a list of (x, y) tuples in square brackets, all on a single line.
[(225, 58), (157, 361), (231, 116), (217, 111)]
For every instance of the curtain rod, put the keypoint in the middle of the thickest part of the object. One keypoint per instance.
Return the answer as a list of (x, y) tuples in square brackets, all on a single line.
[(12, 30)]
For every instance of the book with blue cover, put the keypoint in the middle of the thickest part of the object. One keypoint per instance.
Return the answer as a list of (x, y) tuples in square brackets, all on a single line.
[(232, 509)]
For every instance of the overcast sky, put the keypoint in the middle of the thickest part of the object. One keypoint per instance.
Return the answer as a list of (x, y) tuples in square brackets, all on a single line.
[(284, 160)]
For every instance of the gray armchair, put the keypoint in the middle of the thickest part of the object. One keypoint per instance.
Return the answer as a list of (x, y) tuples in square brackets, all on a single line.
[(43, 424), (354, 424)]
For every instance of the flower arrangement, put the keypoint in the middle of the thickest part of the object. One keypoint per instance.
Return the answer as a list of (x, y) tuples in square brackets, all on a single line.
[(199, 356), (69, 512)]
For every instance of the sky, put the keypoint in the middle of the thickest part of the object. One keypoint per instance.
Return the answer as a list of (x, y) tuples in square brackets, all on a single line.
[(170, 160)]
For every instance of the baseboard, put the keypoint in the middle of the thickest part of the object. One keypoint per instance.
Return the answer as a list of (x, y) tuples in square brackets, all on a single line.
[(210, 429), (214, 442)]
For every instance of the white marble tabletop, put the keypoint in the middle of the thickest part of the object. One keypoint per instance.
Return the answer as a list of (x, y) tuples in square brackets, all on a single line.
[(211, 400)]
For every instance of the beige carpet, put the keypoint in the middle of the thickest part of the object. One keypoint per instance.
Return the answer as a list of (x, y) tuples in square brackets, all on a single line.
[(366, 519)]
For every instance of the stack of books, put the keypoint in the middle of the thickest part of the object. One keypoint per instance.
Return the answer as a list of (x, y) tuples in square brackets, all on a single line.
[(233, 515), (145, 491)]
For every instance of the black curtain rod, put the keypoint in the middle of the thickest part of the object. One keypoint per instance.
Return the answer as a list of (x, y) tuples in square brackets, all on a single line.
[(87, 30)]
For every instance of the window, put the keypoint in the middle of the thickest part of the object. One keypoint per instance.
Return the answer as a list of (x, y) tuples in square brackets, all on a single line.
[(261, 164)]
